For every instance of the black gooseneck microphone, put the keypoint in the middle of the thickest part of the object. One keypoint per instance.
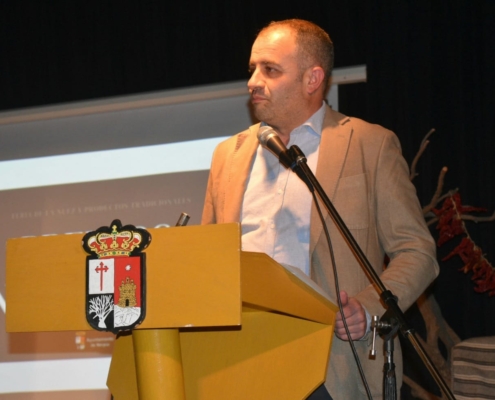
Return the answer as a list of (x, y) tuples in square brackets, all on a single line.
[(289, 158), (270, 140)]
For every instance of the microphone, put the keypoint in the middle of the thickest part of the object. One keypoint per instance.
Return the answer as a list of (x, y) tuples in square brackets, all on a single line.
[(271, 141)]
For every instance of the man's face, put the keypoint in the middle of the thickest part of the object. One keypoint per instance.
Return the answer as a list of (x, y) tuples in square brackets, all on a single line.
[(276, 85)]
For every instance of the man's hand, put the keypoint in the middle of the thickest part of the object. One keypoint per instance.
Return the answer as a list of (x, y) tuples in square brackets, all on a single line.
[(355, 316)]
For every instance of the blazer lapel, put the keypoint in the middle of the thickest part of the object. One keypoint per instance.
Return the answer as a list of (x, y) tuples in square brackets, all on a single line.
[(335, 138), (240, 167)]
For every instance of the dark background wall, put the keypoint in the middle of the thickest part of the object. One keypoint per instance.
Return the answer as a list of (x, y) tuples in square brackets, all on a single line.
[(430, 65)]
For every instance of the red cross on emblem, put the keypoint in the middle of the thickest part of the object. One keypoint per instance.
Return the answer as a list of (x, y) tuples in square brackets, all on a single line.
[(100, 269)]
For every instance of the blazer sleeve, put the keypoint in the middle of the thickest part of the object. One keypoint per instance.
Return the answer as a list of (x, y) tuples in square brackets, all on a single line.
[(401, 230)]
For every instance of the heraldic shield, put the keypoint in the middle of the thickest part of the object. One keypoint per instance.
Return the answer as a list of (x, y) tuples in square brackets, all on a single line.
[(115, 276)]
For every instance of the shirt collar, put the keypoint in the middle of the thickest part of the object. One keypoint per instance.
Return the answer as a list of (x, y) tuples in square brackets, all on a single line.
[(315, 122)]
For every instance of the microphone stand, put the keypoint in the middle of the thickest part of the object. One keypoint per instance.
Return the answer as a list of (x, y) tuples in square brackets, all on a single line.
[(393, 320)]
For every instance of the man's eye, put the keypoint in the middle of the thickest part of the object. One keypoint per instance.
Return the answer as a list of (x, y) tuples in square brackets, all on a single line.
[(272, 72)]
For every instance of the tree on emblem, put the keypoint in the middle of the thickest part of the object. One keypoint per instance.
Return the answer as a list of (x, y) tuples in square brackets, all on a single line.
[(101, 306)]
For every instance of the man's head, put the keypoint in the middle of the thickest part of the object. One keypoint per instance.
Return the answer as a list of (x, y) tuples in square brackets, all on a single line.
[(313, 44), (291, 62)]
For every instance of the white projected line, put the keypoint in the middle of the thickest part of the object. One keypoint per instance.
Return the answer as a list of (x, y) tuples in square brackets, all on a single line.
[(54, 375), (2, 303), (109, 164)]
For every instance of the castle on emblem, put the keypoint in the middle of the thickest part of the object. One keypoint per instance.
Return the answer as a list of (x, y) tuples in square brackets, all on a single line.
[(127, 292)]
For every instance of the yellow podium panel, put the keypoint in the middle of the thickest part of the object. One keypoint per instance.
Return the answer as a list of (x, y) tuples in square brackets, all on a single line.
[(191, 280), (267, 285), (272, 357)]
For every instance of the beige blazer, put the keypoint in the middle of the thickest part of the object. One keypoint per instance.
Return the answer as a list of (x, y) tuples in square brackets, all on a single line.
[(362, 171)]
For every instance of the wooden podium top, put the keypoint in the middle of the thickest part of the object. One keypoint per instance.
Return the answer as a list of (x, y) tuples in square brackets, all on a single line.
[(193, 277)]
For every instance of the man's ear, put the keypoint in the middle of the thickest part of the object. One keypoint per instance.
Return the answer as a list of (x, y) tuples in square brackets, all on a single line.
[(315, 77)]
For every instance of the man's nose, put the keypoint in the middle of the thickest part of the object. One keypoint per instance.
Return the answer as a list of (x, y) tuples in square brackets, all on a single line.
[(254, 81)]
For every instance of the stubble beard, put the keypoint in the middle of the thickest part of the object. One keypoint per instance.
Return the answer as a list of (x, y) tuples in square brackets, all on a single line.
[(275, 117), (262, 113)]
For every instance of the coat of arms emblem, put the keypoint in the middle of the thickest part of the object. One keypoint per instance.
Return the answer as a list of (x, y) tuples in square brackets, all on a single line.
[(115, 276)]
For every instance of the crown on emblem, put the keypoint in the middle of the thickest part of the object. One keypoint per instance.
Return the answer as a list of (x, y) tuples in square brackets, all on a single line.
[(115, 243)]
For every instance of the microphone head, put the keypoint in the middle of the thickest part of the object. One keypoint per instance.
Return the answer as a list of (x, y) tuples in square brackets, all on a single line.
[(265, 133), (271, 141)]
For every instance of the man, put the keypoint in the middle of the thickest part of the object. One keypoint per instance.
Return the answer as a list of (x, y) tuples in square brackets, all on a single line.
[(361, 169)]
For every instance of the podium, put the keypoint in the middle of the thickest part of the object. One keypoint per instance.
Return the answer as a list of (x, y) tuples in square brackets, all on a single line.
[(220, 323)]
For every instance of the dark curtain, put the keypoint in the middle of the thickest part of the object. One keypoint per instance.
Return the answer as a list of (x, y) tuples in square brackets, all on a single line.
[(430, 65), (59, 51)]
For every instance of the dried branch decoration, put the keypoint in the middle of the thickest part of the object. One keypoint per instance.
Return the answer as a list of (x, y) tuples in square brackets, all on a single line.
[(450, 217)]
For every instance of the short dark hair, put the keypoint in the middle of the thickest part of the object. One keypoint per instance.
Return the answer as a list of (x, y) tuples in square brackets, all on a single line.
[(314, 44)]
